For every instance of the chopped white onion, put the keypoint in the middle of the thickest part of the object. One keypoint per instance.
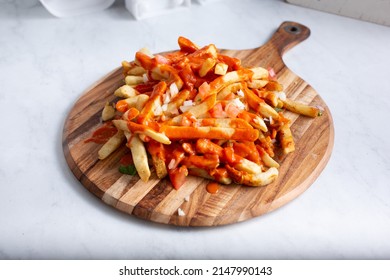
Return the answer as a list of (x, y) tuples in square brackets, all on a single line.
[(145, 77), (157, 111), (180, 212), (281, 95), (173, 89), (188, 103), (172, 164), (240, 93), (164, 107), (167, 97), (237, 102)]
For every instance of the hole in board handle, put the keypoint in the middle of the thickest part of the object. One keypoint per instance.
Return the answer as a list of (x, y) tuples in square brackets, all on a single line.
[(293, 29)]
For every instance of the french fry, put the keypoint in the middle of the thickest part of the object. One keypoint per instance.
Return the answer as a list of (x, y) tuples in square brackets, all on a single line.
[(133, 80), (177, 101), (302, 109), (254, 120), (231, 123), (266, 158), (125, 91), (137, 101), (111, 145), (273, 86), (232, 88), (207, 65), (259, 105), (143, 129), (207, 132), (108, 112), (205, 174), (257, 83), (229, 78), (221, 68), (204, 162), (136, 71), (150, 105), (259, 73), (248, 166), (286, 139), (187, 45), (253, 180), (140, 157), (157, 151)]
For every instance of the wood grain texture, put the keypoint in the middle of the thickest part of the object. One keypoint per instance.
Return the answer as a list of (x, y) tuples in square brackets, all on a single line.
[(156, 200)]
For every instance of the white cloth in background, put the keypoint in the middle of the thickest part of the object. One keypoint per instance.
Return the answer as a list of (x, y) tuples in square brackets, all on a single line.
[(141, 9), (70, 8)]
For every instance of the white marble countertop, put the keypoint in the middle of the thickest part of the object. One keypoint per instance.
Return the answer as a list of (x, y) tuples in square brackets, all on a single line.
[(46, 63)]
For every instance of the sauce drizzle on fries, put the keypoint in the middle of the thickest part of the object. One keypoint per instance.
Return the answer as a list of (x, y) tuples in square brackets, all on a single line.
[(198, 112)]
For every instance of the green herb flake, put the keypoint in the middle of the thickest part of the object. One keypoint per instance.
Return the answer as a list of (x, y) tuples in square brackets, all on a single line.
[(278, 109), (128, 169)]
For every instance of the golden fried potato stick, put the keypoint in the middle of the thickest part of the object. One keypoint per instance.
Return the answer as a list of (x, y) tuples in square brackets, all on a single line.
[(139, 155), (226, 91), (137, 101), (111, 145), (147, 111), (266, 158), (207, 65), (229, 123), (143, 129), (259, 73), (125, 91), (223, 179), (133, 80), (108, 112), (254, 120), (177, 101), (286, 139), (257, 83), (258, 104), (163, 70), (204, 161), (196, 110), (157, 152), (186, 45), (254, 180), (185, 132), (302, 109)]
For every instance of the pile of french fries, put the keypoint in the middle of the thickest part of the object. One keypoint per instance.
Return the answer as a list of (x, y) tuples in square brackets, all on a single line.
[(198, 112)]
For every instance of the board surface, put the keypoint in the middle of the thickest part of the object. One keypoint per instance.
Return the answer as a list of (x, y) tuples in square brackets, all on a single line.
[(156, 200)]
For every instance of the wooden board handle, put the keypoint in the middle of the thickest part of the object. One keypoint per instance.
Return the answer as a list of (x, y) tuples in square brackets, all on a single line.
[(288, 35)]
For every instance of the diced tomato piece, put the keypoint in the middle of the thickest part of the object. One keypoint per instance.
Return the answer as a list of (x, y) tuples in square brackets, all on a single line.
[(203, 92), (178, 176), (217, 111), (232, 110), (271, 73)]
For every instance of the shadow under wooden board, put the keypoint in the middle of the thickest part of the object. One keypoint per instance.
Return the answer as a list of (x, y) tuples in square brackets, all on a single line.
[(156, 200)]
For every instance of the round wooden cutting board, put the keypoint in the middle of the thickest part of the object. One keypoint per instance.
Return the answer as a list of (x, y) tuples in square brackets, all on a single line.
[(156, 200)]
